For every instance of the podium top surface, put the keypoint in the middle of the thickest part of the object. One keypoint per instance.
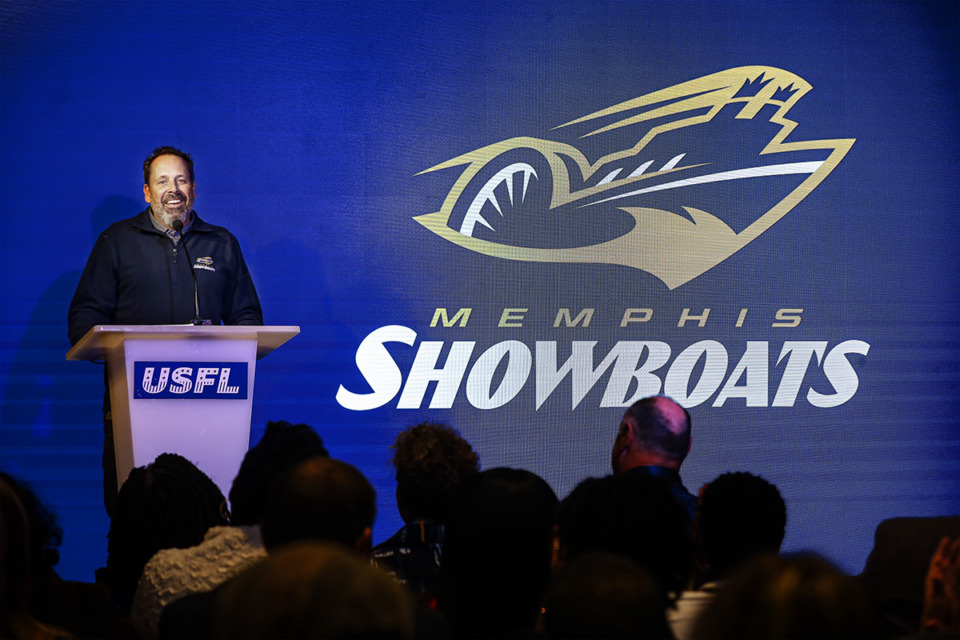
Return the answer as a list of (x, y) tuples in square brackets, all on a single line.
[(104, 337)]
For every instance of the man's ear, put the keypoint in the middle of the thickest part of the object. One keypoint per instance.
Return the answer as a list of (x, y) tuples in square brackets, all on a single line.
[(364, 543), (558, 552), (146, 193)]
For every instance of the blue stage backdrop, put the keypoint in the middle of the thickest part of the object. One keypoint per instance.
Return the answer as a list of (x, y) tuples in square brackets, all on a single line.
[(517, 218)]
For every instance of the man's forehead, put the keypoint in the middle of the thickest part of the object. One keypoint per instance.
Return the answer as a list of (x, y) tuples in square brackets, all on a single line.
[(169, 164)]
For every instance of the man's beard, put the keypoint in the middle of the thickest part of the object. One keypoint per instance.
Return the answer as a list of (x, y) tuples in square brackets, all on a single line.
[(167, 214)]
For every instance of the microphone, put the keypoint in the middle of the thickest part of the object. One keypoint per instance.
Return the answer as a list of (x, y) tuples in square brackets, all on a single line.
[(197, 320)]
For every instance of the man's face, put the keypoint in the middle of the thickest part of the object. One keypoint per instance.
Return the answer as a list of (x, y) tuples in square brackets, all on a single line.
[(170, 191)]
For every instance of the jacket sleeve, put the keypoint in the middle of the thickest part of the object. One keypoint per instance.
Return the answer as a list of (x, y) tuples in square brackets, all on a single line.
[(241, 306), (95, 299)]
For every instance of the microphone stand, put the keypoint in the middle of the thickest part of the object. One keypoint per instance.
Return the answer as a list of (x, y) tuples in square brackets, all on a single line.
[(197, 320)]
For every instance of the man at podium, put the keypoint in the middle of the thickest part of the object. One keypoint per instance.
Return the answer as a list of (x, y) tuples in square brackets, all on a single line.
[(163, 266)]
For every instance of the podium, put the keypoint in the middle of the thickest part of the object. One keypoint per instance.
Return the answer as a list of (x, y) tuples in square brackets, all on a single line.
[(181, 389)]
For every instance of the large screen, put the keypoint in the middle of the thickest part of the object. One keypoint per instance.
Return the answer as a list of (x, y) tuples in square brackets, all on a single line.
[(517, 219)]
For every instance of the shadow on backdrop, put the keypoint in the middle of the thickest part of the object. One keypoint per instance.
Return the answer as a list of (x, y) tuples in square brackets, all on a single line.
[(51, 414)]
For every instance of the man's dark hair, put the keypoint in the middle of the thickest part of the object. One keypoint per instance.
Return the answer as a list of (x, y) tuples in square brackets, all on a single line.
[(795, 596), (653, 431), (319, 499), (45, 532), (631, 515), (741, 515), (166, 151), (496, 554), (603, 595), (282, 447), (313, 589), (432, 462)]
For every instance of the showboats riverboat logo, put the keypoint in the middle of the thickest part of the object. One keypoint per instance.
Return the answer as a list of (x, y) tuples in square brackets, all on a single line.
[(671, 183), (709, 168)]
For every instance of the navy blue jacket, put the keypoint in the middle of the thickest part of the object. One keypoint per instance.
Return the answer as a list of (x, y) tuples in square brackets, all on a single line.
[(135, 275), (671, 480)]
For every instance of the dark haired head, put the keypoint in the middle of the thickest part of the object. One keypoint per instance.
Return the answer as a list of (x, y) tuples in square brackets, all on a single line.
[(16, 573), (44, 531), (740, 515), (630, 515), (26, 580), (602, 595), (432, 461), (166, 151), (798, 596), (320, 499), (313, 589), (167, 504), (496, 553), (282, 447)]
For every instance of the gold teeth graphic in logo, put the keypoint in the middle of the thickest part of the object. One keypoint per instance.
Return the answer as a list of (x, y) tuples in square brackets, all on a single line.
[(702, 169)]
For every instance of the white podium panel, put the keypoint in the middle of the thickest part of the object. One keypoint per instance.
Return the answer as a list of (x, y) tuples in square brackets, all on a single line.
[(181, 389)]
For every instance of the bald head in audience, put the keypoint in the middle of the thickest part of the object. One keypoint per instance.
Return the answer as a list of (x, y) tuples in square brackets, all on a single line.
[(654, 431)]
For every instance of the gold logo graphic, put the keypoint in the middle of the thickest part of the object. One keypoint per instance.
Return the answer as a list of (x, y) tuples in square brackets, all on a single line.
[(702, 169)]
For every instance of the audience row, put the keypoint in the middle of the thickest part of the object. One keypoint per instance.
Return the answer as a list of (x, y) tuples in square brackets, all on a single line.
[(490, 553)]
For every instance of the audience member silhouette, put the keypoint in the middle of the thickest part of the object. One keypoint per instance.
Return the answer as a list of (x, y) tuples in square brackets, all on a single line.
[(894, 573), (168, 503), (633, 515), (622, 550), (654, 439), (321, 499), (318, 499), (432, 463), (282, 447), (496, 555), (16, 619), (797, 596), (226, 550), (941, 602), (312, 589), (739, 517), (84, 610), (602, 595)]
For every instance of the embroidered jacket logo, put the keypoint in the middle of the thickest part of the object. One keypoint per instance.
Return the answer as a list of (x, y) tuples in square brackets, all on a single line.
[(205, 263), (698, 171)]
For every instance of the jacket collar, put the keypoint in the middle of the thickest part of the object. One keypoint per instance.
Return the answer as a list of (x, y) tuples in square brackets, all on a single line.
[(142, 222), (656, 471)]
